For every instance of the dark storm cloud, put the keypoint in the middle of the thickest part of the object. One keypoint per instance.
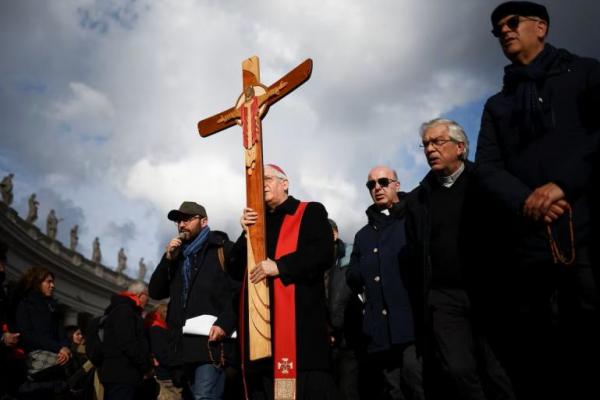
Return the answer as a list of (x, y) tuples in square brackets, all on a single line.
[(107, 94)]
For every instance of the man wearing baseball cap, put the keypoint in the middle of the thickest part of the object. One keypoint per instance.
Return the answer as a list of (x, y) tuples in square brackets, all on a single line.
[(193, 275), (537, 154)]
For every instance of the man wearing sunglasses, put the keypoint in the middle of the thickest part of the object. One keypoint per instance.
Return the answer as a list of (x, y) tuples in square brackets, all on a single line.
[(375, 273), (447, 266), (193, 274), (538, 154)]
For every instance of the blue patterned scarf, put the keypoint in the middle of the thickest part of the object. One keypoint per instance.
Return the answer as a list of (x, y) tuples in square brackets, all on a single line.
[(189, 250)]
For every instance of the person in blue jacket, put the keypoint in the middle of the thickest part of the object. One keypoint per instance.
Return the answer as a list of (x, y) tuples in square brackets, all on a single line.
[(375, 273)]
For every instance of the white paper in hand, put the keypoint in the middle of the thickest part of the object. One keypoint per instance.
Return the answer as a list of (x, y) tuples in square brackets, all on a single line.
[(201, 325)]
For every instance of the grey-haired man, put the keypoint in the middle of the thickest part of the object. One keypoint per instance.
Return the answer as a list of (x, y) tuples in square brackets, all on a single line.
[(447, 239)]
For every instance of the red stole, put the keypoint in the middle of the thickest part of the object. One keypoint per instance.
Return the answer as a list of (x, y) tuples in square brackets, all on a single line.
[(284, 318)]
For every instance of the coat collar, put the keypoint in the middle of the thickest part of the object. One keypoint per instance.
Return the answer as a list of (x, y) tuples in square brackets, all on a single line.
[(430, 180), (377, 218), (289, 206)]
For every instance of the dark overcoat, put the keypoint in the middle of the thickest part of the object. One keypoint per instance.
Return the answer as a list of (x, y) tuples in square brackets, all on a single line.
[(482, 237), (305, 269), (511, 166), (126, 351), (212, 291), (158, 337), (376, 270)]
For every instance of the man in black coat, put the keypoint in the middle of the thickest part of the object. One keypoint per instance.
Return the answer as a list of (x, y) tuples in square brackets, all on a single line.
[(345, 317), (126, 355), (447, 260), (193, 274), (304, 269), (375, 272), (536, 153)]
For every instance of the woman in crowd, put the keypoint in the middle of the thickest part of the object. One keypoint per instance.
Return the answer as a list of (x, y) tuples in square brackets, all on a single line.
[(77, 343), (41, 332)]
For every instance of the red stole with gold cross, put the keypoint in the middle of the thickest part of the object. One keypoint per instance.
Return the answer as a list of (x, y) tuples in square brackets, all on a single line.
[(284, 315)]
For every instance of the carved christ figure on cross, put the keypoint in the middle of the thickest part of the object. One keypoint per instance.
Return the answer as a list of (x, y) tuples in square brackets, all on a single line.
[(251, 106)]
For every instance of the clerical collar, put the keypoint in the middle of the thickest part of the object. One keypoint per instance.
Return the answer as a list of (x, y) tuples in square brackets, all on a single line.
[(385, 211), (288, 206), (448, 181)]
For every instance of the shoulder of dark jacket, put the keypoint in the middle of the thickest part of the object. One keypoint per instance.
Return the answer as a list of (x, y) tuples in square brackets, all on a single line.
[(574, 62), (425, 185), (34, 298), (117, 300), (289, 206), (218, 238)]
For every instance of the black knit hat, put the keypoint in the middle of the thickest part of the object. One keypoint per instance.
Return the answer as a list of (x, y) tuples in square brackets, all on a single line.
[(523, 8), (187, 209)]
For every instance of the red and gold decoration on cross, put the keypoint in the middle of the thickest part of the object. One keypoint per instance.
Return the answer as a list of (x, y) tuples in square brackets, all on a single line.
[(249, 110)]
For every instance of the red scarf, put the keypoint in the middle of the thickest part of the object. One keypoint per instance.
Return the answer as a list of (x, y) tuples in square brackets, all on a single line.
[(16, 352), (154, 319), (133, 297)]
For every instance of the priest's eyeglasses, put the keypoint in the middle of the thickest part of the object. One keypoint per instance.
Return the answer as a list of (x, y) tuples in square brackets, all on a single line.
[(512, 23), (383, 182)]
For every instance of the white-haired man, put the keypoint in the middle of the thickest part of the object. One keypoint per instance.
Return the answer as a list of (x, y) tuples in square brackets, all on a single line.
[(296, 264), (127, 359), (444, 235)]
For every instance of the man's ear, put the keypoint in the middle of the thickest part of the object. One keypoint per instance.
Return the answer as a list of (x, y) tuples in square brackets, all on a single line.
[(542, 29), (461, 147)]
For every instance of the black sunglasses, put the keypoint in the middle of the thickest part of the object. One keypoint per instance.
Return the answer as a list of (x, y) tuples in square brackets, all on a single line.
[(512, 23), (383, 182)]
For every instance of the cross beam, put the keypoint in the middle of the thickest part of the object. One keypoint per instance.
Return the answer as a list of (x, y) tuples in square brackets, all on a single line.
[(251, 106)]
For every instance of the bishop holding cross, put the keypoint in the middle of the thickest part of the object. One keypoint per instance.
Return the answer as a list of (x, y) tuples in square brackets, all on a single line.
[(282, 255), (299, 249)]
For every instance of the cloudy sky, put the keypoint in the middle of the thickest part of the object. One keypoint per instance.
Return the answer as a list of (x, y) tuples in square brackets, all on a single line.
[(99, 102)]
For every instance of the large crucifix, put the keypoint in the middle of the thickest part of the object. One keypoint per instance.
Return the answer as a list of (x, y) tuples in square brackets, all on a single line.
[(251, 106)]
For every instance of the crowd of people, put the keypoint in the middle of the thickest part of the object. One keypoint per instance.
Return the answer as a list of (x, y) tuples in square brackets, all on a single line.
[(481, 283)]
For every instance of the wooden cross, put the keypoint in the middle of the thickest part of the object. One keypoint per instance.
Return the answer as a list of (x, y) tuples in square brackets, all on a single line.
[(251, 106)]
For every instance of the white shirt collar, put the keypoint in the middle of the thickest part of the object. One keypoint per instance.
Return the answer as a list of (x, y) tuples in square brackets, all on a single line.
[(448, 181)]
